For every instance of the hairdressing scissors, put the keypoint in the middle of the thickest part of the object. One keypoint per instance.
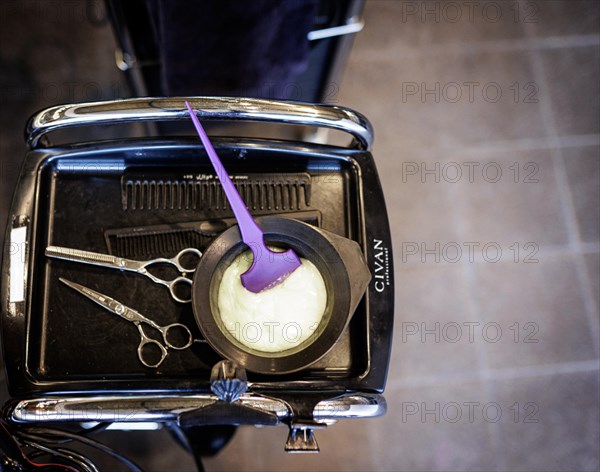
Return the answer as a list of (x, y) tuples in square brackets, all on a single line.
[(140, 267), (138, 319)]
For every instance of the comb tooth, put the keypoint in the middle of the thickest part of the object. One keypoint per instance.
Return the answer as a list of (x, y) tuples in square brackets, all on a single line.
[(134, 193), (185, 196), (139, 195), (149, 246), (307, 192), (221, 200), (274, 193), (286, 195), (172, 241), (270, 195), (177, 241), (158, 202), (253, 195), (217, 196), (182, 243), (143, 194), (164, 244), (125, 189), (166, 194), (148, 195), (155, 245), (277, 196)]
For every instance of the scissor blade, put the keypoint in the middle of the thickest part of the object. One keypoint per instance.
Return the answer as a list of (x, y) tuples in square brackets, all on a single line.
[(102, 300), (87, 257)]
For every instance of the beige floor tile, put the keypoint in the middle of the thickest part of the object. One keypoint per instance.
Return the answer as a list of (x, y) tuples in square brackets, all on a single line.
[(539, 310), (431, 331), (576, 112), (552, 422), (583, 173), (436, 428)]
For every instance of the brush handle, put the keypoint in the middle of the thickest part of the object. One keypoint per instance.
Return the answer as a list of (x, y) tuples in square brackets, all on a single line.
[(251, 233)]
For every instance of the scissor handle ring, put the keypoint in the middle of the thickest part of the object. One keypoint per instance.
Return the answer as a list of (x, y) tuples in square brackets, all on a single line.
[(165, 333), (177, 259), (173, 283), (145, 342)]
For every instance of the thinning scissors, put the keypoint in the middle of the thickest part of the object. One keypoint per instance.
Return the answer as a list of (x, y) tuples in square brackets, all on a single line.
[(140, 267), (138, 319)]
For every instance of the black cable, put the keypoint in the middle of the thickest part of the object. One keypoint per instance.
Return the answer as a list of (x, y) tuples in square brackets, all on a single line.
[(57, 436), (81, 432), (65, 454)]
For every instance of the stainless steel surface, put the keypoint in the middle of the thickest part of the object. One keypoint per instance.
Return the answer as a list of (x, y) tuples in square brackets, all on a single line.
[(351, 406), (207, 108), (87, 257), (301, 440), (160, 408), (139, 267), (138, 320)]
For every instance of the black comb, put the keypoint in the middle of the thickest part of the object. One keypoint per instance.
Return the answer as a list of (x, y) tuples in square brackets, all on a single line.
[(146, 242), (286, 191)]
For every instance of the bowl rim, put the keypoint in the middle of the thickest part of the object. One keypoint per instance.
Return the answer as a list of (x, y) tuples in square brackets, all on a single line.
[(310, 243)]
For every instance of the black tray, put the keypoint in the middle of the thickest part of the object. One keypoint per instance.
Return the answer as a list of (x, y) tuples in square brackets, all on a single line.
[(75, 338), (81, 197)]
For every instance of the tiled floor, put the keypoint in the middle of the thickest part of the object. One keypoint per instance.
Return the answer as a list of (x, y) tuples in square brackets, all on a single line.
[(512, 380)]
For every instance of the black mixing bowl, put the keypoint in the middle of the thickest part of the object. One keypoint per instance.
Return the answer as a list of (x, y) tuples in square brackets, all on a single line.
[(340, 262)]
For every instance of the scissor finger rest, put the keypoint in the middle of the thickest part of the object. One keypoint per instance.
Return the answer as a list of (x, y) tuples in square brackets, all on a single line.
[(145, 348), (177, 336), (185, 286)]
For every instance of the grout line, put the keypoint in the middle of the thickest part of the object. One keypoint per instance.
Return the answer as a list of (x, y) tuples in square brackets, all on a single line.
[(500, 45), (492, 428), (543, 370), (549, 251), (533, 144), (510, 145), (505, 373), (470, 276), (566, 199)]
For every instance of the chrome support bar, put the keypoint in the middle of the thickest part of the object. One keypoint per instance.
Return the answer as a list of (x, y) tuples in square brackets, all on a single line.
[(162, 408), (207, 108), (353, 25)]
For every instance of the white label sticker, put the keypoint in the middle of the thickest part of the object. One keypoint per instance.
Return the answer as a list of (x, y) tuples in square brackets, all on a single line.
[(18, 250)]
